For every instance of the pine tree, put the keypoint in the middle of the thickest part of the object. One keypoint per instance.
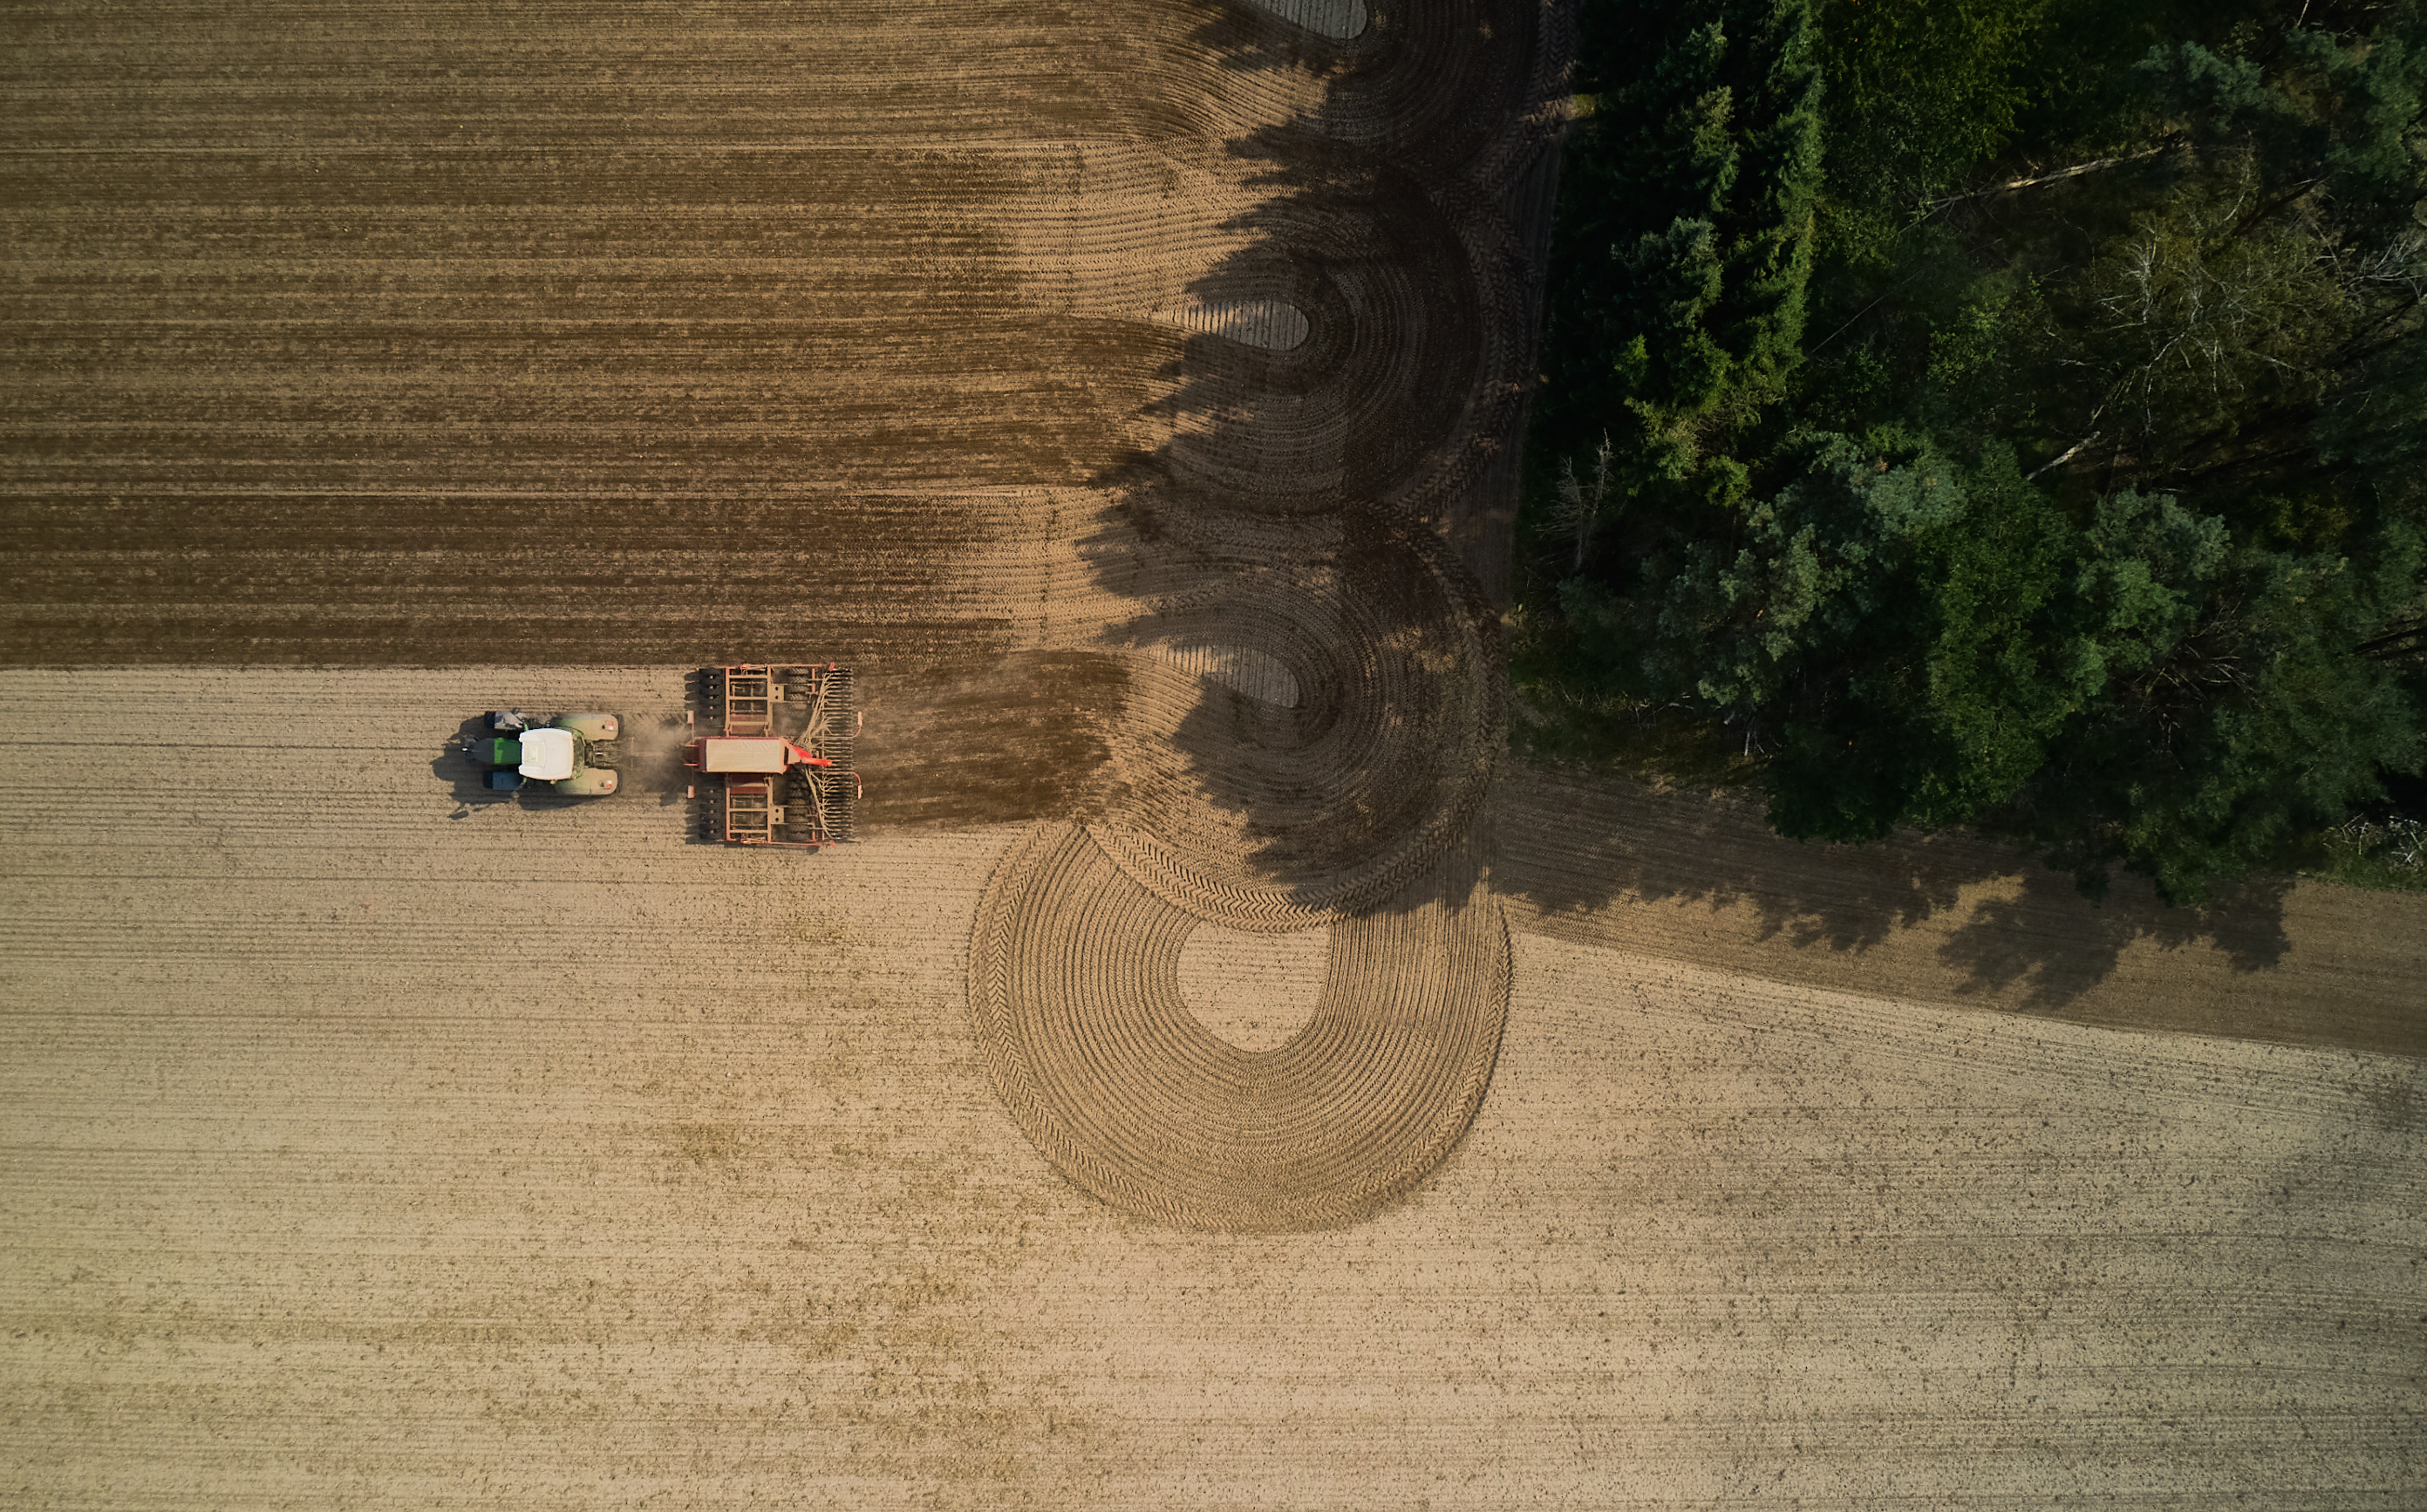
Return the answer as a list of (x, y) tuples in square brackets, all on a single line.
[(1683, 239)]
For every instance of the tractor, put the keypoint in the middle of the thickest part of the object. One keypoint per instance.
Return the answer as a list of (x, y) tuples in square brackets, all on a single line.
[(572, 754), (781, 758)]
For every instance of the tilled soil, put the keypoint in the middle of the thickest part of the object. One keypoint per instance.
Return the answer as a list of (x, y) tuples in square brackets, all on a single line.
[(1955, 919), (371, 1142), (363, 338), (1074, 974), (376, 1140)]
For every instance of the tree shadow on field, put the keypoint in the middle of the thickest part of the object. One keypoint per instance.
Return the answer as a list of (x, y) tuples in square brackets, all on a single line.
[(1264, 524), (1354, 357), (1951, 919), (2047, 942), (1291, 524)]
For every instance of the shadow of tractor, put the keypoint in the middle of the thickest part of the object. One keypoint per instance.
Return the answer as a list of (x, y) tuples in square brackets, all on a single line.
[(463, 767)]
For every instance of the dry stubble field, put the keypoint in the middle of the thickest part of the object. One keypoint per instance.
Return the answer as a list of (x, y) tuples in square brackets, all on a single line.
[(1131, 391)]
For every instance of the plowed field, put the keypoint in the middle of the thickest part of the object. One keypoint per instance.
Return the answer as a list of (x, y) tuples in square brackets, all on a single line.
[(1216, 1079)]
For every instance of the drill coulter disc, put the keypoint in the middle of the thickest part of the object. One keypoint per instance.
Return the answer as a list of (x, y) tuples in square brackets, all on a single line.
[(839, 792), (843, 704)]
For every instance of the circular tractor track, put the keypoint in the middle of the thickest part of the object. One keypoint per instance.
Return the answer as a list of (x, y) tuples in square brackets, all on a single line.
[(1466, 89), (1074, 976), (1396, 311), (1446, 88), (1315, 699), (1264, 816), (1504, 365)]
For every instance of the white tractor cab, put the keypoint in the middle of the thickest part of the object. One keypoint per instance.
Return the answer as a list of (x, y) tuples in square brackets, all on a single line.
[(571, 753)]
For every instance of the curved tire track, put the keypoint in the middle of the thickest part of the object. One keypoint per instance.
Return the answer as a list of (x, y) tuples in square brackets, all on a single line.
[(1074, 989), (1263, 817), (1290, 517)]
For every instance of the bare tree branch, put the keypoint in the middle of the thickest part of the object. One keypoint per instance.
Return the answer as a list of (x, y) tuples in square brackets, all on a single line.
[(2059, 175)]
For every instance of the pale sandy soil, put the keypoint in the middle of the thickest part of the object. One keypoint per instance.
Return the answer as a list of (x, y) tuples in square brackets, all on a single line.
[(1130, 392), (364, 1147)]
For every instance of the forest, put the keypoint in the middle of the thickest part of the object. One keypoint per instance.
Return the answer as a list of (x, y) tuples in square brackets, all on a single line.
[(1996, 414)]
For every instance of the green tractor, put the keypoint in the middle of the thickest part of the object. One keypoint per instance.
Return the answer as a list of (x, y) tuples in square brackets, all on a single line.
[(572, 754)]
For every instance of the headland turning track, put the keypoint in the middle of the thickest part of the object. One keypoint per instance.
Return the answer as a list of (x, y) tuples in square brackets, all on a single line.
[(1132, 391)]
